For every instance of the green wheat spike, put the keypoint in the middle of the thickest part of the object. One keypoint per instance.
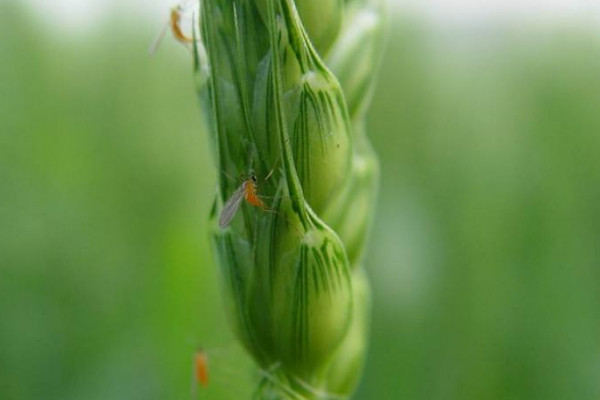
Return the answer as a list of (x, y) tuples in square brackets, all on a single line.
[(285, 86)]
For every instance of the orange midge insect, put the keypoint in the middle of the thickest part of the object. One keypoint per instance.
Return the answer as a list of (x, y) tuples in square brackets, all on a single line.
[(247, 190), (201, 368), (174, 23)]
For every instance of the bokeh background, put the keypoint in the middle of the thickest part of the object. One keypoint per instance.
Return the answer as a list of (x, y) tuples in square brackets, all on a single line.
[(485, 256)]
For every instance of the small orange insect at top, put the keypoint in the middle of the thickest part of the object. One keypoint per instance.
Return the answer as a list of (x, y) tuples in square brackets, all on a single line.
[(201, 368), (175, 17), (175, 23)]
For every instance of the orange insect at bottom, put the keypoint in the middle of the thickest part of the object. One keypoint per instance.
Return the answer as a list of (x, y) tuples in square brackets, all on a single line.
[(201, 368)]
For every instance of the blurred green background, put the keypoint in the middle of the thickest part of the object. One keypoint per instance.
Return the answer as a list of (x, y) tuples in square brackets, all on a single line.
[(485, 256)]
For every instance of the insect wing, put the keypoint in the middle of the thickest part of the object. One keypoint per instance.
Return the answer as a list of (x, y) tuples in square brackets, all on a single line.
[(154, 46), (231, 206)]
